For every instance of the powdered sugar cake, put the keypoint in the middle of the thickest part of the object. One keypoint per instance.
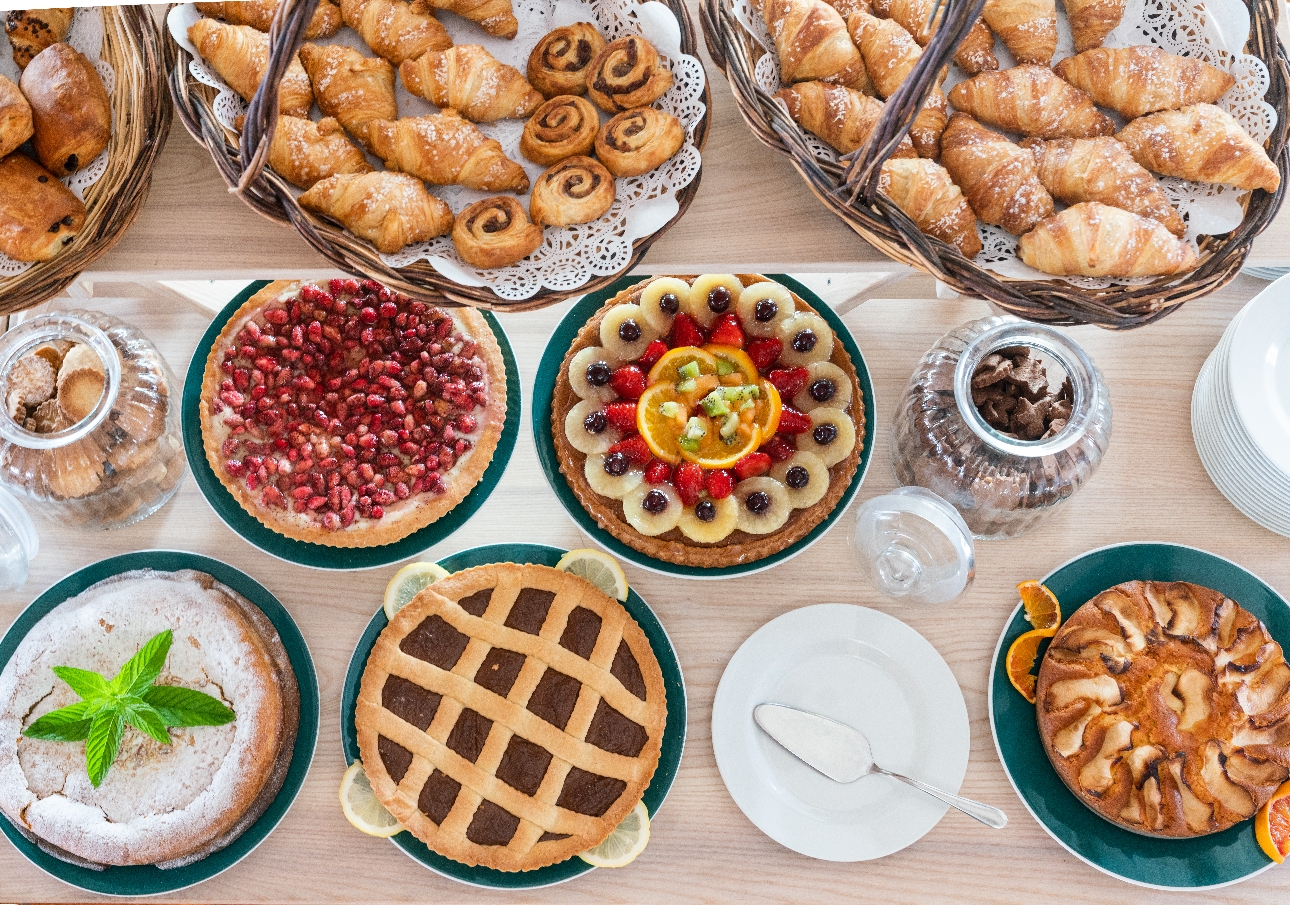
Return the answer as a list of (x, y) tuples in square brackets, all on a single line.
[(164, 805)]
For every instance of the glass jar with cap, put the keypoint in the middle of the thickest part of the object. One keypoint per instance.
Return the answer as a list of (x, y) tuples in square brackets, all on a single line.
[(90, 435)]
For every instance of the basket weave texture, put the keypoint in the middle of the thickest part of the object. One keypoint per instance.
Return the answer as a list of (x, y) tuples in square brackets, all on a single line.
[(849, 188), (243, 163)]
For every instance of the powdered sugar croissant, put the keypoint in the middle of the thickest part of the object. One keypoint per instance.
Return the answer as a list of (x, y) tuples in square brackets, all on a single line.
[(924, 191), (468, 79), (391, 210), (1031, 100), (812, 43), (840, 117), (445, 149), (1202, 143), (890, 54), (997, 177), (1137, 80), (1096, 240)]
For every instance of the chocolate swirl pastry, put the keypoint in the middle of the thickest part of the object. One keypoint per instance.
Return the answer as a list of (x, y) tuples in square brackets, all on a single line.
[(627, 73), (563, 127), (495, 232), (577, 190), (637, 141), (559, 62)]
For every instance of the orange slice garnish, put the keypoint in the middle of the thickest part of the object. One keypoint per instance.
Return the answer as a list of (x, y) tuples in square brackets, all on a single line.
[(1272, 825), (769, 407), (1042, 609), (1021, 661), (666, 368), (657, 429), (745, 372)]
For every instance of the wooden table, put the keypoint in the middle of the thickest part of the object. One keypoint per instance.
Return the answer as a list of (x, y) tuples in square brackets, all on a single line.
[(1150, 487)]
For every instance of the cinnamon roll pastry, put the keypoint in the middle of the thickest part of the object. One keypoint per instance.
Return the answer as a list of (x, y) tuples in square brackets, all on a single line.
[(577, 190), (560, 61), (563, 127), (390, 210), (495, 232), (637, 141), (627, 73)]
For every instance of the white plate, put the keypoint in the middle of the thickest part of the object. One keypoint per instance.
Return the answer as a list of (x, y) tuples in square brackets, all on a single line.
[(868, 670), (1259, 371)]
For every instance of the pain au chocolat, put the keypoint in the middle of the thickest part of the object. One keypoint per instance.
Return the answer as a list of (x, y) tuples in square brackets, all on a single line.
[(1165, 707), (511, 715)]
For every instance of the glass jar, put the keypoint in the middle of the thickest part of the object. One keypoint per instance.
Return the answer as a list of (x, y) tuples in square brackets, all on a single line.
[(1002, 485), (108, 463)]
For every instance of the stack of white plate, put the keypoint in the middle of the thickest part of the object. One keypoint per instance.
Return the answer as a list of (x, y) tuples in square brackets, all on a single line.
[(1240, 410)]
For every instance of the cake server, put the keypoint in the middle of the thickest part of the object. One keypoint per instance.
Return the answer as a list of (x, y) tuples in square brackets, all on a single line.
[(843, 754)]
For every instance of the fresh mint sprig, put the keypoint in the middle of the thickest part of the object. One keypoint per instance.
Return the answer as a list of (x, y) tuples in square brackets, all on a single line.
[(108, 706)]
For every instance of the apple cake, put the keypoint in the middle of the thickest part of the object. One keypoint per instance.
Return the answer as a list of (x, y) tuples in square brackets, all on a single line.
[(511, 716), (1165, 707)]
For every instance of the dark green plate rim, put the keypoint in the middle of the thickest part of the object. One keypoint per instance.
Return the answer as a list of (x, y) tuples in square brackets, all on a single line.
[(673, 732), (544, 394), (1206, 862), (148, 880), (319, 556)]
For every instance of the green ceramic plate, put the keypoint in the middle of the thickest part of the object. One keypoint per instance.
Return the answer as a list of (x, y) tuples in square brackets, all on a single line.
[(673, 732), (544, 393), (151, 881), (318, 556), (1205, 862)]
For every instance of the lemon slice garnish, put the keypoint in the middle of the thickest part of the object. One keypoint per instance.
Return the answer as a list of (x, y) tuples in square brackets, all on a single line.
[(626, 841), (601, 569), (410, 581), (361, 808)]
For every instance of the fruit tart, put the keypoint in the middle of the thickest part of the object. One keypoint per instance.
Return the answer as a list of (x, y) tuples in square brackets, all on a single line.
[(708, 422), (345, 414)]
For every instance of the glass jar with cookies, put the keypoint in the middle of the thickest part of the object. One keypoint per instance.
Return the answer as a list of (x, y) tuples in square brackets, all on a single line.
[(1006, 420), (90, 435)]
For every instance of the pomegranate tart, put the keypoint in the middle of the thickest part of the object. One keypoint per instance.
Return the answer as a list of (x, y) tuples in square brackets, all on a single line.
[(345, 414), (708, 422)]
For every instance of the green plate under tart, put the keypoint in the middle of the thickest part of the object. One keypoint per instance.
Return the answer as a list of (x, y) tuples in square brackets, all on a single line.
[(148, 880), (544, 394), (673, 731), (321, 556), (1203, 862)]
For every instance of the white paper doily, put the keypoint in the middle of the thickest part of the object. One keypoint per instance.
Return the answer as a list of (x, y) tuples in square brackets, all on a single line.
[(569, 256), (1214, 31), (86, 36)]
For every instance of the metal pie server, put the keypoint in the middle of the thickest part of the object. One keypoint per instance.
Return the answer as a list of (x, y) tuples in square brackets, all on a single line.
[(843, 754)]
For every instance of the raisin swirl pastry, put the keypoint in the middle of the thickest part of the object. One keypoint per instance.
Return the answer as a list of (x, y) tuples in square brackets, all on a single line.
[(577, 190), (560, 61), (495, 232), (564, 126), (627, 73), (637, 141)]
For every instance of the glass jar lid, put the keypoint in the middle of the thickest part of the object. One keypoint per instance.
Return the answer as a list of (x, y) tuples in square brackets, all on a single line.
[(913, 545)]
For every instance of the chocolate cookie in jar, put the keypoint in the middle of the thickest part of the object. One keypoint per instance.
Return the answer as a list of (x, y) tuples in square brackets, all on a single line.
[(90, 435), (1006, 420)]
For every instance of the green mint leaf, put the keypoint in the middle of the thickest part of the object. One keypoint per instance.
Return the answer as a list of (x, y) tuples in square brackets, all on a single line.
[(146, 719), (68, 724), (187, 706), (89, 685), (102, 744), (143, 668)]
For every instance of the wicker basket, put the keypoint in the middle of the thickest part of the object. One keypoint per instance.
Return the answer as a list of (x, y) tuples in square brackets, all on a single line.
[(141, 114), (849, 189), (243, 164)]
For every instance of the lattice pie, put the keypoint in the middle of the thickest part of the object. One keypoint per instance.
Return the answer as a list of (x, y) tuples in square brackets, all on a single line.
[(511, 716)]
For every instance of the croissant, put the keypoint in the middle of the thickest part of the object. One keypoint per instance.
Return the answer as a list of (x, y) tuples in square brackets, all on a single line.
[(626, 74), (812, 42), (467, 78), (445, 149), (390, 210), (890, 54), (394, 30), (923, 190), (495, 232), (15, 117), (998, 178), (1137, 80), (1031, 100), (39, 216), (1096, 240), (576, 190), (1101, 169), (1028, 28), (305, 152), (70, 110), (839, 117), (353, 88), (1201, 143), (1092, 20), (259, 15), (975, 53), (846, 7), (240, 55), (565, 126), (559, 63), (494, 16), (32, 30)]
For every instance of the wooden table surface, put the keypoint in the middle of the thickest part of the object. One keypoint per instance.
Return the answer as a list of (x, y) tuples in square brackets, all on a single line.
[(1150, 487)]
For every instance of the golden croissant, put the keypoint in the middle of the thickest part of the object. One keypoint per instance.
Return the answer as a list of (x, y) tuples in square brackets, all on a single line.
[(1137, 80), (1028, 28), (467, 78), (259, 15), (998, 178), (846, 7), (975, 53), (1031, 100), (494, 16), (305, 152), (890, 53), (395, 30), (1092, 20), (1096, 240), (1201, 143), (1101, 169), (390, 210), (840, 117), (812, 42), (923, 190), (240, 55), (353, 88), (445, 149)]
